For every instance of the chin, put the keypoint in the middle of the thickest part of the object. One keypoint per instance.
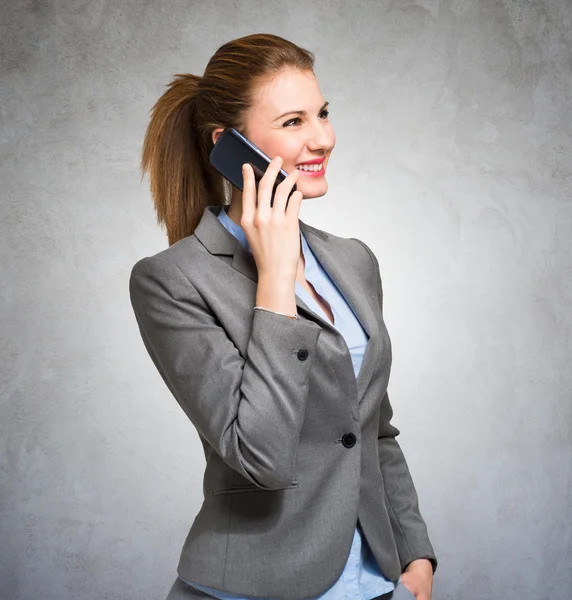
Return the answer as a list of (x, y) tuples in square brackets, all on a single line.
[(314, 191)]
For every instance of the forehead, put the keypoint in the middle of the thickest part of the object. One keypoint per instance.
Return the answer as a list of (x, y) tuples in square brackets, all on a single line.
[(288, 91)]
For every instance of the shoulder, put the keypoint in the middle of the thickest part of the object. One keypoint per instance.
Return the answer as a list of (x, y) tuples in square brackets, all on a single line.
[(185, 251), (168, 271), (356, 251), (371, 256)]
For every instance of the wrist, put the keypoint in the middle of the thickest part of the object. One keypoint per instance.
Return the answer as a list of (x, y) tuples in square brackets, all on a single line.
[(420, 565)]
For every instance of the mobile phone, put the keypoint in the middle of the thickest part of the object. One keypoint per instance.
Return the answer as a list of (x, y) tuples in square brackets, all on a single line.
[(232, 150)]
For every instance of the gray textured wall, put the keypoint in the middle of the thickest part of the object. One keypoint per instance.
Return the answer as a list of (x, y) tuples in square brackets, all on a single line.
[(453, 161)]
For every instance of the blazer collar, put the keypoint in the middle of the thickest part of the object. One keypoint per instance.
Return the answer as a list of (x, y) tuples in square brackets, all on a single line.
[(218, 240)]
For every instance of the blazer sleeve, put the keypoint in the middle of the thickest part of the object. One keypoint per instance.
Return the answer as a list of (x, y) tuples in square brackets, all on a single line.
[(402, 502), (250, 409)]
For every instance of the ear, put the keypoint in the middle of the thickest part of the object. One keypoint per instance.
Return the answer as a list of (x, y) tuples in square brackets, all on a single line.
[(216, 134)]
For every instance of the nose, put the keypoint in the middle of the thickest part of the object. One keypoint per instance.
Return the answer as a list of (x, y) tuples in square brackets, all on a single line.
[(320, 137)]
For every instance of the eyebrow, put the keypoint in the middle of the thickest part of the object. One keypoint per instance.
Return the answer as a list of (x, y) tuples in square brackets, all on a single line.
[(298, 112)]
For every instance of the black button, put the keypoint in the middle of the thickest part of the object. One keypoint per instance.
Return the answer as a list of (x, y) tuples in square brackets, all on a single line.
[(302, 354), (349, 440)]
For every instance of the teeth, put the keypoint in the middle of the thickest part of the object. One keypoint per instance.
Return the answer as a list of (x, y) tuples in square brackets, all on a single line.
[(310, 167)]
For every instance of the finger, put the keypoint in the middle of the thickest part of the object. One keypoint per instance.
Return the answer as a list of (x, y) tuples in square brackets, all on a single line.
[(248, 193), (283, 189), (294, 204), (266, 184)]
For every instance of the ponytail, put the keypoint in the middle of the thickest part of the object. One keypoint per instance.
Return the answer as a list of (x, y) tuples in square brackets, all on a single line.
[(181, 185)]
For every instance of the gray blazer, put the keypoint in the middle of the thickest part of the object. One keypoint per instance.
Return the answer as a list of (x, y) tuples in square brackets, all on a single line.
[(297, 450)]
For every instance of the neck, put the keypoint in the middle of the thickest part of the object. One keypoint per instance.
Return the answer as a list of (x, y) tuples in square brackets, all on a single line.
[(235, 208)]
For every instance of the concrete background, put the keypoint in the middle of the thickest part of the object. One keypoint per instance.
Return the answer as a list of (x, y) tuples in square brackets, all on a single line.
[(453, 161)]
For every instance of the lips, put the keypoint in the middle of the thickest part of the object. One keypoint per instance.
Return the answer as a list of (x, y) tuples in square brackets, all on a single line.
[(310, 168), (313, 161), (314, 167), (311, 171)]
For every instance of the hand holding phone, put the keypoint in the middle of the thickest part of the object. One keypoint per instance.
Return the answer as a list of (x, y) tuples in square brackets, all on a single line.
[(273, 232), (270, 207)]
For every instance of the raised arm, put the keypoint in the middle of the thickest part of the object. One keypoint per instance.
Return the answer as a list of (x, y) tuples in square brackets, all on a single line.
[(250, 409)]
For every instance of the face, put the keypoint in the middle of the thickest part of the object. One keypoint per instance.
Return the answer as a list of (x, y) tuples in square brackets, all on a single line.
[(290, 119)]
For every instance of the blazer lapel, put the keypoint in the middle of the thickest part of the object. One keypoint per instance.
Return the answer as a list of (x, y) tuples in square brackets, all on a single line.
[(348, 282), (218, 240)]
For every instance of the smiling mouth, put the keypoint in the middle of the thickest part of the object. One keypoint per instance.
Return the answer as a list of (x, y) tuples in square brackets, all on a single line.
[(311, 168)]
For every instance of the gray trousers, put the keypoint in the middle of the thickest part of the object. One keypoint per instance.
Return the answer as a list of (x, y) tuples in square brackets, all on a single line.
[(183, 591)]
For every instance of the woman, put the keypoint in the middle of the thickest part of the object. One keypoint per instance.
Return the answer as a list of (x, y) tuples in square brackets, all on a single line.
[(270, 335)]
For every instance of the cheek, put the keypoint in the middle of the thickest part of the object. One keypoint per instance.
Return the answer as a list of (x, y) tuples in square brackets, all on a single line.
[(288, 150), (270, 145)]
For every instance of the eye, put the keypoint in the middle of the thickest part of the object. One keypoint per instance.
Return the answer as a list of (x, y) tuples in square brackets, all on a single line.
[(325, 114), (291, 121)]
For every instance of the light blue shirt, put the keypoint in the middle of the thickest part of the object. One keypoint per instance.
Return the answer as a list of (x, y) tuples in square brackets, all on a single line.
[(361, 578)]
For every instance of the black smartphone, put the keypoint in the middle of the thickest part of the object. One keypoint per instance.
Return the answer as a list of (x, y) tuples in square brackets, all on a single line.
[(232, 150)]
